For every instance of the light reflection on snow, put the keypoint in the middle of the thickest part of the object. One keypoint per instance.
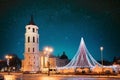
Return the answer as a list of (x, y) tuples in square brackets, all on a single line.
[(59, 78), (64, 77)]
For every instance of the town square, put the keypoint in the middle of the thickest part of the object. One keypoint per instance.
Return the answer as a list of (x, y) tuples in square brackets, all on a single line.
[(59, 40)]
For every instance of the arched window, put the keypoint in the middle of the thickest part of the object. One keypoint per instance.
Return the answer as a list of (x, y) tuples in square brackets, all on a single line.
[(28, 49), (33, 39), (36, 30), (37, 40), (28, 27), (33, 30), (28, 39), (33, 49)]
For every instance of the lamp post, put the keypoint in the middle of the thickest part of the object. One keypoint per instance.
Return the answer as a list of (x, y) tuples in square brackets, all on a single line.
[(48, 50), (101, 49), (8, 62)]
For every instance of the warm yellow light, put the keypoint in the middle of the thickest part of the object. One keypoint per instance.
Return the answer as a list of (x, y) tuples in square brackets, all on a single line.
[(49, 78), (10, 77), (48, 49), (51, 49), (8, 57)]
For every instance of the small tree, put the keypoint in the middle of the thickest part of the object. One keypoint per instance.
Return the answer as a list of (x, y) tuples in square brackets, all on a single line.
[(15, 62)]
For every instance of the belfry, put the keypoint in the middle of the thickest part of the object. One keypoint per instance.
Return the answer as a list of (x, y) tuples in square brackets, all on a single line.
[(31, 60)]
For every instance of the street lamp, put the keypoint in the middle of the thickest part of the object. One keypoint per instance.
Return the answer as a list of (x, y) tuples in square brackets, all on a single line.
[(101, 49), (48, 50), (8, 62)]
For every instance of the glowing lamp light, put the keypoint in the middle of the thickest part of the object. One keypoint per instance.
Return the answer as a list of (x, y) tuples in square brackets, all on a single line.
[(8, 57), (51, 49), (48, 49), (101, 48)]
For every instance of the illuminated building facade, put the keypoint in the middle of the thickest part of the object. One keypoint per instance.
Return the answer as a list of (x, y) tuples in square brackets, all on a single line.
[(31, 60), (35, 60)]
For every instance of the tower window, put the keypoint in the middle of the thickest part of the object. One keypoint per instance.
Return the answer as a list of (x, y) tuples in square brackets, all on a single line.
[(33, 30), (28, 27), (28, 49), (37, 30), (33, 49), (33, 39), (37, 40), (28, 39)]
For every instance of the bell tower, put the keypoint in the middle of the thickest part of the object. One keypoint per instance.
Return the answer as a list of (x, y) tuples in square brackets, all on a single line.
[(31, 53)]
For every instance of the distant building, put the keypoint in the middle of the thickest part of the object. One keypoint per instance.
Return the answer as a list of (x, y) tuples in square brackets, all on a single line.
[(116, 60), (62, 60)]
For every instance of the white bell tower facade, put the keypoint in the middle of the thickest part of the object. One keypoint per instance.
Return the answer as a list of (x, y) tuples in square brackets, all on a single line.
[(31, 55)]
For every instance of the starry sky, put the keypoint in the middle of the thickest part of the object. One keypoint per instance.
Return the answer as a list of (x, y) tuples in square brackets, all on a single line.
[(61, 24)]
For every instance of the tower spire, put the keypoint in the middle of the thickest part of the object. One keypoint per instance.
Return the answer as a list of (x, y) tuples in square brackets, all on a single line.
[(31, 21)]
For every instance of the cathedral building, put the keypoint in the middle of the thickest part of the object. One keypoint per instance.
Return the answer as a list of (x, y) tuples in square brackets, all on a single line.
[(35, 60)]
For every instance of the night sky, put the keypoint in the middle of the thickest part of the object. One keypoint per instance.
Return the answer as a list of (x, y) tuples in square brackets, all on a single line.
[(61, 24)]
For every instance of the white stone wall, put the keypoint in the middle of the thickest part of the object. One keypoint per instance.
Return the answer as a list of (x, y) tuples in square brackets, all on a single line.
[(31, 55)]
